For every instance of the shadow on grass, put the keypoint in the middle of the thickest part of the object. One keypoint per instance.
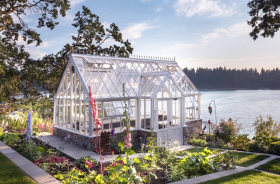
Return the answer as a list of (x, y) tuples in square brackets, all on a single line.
[(12, 174), (247, 177)]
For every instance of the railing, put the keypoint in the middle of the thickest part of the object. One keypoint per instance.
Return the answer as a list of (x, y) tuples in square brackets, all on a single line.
[(86, 51)]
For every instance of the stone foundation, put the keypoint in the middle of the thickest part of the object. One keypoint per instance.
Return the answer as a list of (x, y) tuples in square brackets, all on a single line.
[(90, 143), (193, 127)]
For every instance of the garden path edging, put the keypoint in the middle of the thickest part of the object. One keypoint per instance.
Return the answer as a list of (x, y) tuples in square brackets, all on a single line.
[(35, 172)]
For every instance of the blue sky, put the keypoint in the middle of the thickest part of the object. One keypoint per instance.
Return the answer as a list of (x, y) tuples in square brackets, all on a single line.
[(199, 33)]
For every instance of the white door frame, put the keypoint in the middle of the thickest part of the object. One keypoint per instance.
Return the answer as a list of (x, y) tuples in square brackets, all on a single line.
[(168, 132)]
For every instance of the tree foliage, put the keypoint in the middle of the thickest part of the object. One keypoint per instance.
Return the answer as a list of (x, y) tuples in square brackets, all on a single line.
[(92, 34), (265, 19), (17, 70), (47, 10)]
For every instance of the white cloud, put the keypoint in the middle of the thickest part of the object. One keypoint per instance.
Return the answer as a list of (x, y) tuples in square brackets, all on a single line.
[(184, 29), (35, 52), (179, 46), (135, 30), (159, 9), (233, 31), (106, 25), (190, 8), (74, 2)]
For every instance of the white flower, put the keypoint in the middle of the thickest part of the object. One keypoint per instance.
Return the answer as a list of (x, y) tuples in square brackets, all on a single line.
[(6, 132)]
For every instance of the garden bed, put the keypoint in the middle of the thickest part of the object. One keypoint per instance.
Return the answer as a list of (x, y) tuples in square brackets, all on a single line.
[(161, 166)]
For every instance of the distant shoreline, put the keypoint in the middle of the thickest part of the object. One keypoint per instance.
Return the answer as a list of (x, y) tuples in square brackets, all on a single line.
[(231, 89)]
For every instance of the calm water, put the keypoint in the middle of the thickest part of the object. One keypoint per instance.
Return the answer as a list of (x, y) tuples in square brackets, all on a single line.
[(243, 106)]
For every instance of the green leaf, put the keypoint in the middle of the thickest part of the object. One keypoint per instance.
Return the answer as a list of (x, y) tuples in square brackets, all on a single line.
[(136, 160), (120, 144), (147, 157), (124, 160), (99, 179), (117, 168), (131, 152)]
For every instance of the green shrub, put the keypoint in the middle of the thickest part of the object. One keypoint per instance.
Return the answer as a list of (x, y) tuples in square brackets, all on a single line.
[(258, 147), (11, 139), (217, 144), (269, 126), (241, 142), (227, 130), (175, 174), (210, 137), (276, 147), (197, 163), (197, 142), (31, 150)]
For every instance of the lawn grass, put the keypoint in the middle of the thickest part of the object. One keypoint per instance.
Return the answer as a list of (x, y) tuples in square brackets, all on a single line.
[(193, 150), (12, 174), (272, 166), (247, 177), (247, 159)]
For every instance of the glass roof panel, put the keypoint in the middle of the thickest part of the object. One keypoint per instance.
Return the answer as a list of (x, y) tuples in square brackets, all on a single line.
[(115, 71)]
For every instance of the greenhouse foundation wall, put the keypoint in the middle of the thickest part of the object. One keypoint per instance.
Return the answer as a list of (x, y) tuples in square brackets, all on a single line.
[(191, 128), (90, 143)]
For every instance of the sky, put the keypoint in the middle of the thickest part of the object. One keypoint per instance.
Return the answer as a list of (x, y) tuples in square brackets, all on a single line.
[(198, 33)]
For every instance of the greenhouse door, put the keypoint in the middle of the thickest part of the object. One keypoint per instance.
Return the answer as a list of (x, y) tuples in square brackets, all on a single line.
[(169, 121)]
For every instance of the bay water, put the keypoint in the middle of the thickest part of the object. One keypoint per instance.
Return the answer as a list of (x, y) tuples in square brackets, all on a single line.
[(243, 106)]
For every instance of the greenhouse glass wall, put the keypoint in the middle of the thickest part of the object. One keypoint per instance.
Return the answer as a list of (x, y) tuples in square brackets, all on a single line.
[(159, 96)]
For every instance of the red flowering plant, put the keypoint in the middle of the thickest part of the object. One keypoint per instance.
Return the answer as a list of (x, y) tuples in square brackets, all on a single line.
[(95, 118), (46, 162)]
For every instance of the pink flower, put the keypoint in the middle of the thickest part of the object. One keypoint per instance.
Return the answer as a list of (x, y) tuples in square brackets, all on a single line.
[(35, 111), (48, 118), (90, 165)]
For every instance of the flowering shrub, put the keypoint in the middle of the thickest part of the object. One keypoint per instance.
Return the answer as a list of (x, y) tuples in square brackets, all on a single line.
[(18, 123), (227, 131)]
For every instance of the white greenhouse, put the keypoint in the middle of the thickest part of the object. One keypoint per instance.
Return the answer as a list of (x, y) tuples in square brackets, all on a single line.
[(159, 95)]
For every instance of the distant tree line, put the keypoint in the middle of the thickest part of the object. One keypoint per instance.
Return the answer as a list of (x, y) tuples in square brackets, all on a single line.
[(223, 78)]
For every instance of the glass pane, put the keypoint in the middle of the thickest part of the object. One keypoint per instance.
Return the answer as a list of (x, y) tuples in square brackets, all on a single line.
[(116, 123), (162, 114)]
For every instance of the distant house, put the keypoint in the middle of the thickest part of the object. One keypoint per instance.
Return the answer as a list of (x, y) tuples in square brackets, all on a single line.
[(160, 97)]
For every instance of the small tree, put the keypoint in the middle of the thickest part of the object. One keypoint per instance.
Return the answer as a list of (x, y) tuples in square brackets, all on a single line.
[(269, 126)]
